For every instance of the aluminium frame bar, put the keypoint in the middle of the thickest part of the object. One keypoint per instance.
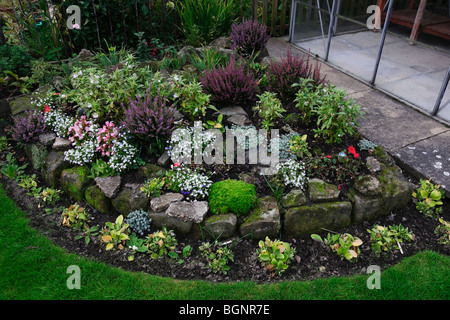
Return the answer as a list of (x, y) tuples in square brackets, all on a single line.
[(441, 93)]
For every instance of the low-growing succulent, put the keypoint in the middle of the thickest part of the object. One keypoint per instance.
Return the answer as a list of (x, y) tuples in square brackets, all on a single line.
[(139, 221), (75, 217), (365, 144), (388, 238), (161, 242), (218, 256), (345, 245), (275, 255), (429, 198), (115, 234)]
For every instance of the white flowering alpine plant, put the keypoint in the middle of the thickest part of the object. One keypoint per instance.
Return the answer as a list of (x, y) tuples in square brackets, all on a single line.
[(58, 122), (194, 185), (123, 155), (293, 173), (82, 154)]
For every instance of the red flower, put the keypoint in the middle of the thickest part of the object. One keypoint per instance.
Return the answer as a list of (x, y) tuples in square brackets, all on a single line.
[(176, 164), (328, 156), (351, 150), (57, 93), (356, 155), (46, 108)]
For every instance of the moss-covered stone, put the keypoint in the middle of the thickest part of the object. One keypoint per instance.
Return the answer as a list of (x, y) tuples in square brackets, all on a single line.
[(264, 221), (295, 198), (221, 226), (319, 190), (52, 167), (21, 104), (36, 153), (131, 198), (306, 220), (150, 171), (95, 197), (74, 181)]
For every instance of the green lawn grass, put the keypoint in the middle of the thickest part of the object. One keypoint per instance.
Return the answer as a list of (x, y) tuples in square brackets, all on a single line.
[(33, 268)]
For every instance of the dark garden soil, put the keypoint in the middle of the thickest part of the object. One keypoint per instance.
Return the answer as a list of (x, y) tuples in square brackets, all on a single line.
[(313, 259)]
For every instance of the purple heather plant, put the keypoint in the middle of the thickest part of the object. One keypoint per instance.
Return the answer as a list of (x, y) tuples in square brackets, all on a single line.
[(149, 118), (27, 128), (230, 85), (282, 75), (249, 37)]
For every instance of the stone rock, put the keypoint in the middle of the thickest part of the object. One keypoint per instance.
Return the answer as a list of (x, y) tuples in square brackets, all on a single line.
[(396, 193), (232, 111), (36, 153), (222, 42), (95, 197), (397, 190), (304, 220), (239, 120), (52, 167), (74, 182), (247, 178), (21, 104), (164, 160), (61, 144), (368, 185), (190, 69), (186, 51), (319, 190), (47, 139), (188, 211), (221, 225), (130, 199), (161, 219), (177, 116), (161, 203), (366, 208), (295, 198), (150, 171), (264, 221), (110, 186), (373, 165), (85, 55), (383, 156)]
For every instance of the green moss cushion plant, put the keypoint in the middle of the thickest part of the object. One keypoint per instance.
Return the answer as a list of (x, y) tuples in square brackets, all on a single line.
[(232, 196)]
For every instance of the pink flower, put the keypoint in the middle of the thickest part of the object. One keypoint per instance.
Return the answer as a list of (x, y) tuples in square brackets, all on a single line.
[(328, 156), (76, 26), (177, 164)]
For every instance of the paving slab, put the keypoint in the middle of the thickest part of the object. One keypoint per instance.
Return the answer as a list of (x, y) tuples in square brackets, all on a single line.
[(429, 158), (391, 123)]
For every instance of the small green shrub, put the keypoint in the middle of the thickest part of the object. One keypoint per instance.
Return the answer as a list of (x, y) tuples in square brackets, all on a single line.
[(269, 108), (16, 59), (153, 187), (232, 196), (429, 198), (275, 255)]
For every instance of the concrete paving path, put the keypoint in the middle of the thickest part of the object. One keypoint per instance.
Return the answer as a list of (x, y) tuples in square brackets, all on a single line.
[(419, 143)]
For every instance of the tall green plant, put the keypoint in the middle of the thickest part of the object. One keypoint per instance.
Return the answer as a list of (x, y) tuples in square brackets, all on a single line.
[(205, 20)]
